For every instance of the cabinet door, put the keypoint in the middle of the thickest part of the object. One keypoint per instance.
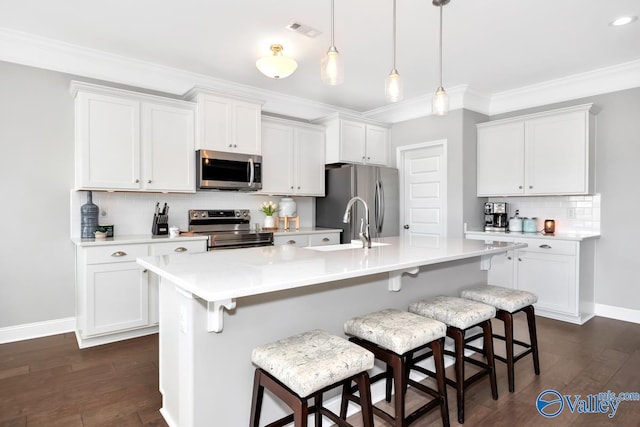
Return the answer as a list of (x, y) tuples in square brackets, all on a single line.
[(247, 118), (377, 145), (500, 160), (501, 272), (352, 141), (214, 123), (277, 172), (107, 142), (116, 298), (556, 154), (309, 162), (552, 277), (299, 240), (168, 145)]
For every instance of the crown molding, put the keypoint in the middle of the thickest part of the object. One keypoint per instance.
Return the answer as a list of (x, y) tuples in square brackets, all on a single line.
[(35, 51), (596, 82)]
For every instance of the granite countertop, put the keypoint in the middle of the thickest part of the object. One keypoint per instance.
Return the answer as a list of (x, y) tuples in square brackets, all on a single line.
[(222, 275), (520, 235)]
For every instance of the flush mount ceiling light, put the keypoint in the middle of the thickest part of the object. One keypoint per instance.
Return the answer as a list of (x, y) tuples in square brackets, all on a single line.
[(623, 20), (331, 67), (393, 83), (440, 100), (276, 66)]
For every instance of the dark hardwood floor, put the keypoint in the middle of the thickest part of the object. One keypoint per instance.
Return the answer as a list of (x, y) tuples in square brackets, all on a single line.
[(50, 382)]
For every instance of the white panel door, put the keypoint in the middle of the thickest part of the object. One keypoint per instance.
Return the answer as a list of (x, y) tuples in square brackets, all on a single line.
[(424, 194), (277, 162), (377, 145), (501, 160), (352, 141), (214, 127), (309, 162), (246, 128)]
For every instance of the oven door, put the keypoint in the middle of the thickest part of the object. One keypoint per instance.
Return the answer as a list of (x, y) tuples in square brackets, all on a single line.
[(217, 170), (239, 239)]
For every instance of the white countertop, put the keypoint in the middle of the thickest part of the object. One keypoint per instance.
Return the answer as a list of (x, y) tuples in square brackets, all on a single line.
[(221, 275), (520, 235), (306, 230), (131, 239)]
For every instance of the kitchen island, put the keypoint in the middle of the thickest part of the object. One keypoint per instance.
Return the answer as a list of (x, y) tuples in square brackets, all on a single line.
[(216, 306)]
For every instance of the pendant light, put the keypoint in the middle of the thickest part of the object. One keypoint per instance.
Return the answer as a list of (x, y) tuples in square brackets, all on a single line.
[(440, 100), (393, 83), (276, 66), (332, 68)]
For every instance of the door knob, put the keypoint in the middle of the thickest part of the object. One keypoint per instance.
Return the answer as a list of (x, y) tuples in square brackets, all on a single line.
[(406, 226)]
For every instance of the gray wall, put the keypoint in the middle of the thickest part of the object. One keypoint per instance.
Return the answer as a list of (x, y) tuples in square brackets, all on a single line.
[(617, 180), (36, 174), (458, 128)]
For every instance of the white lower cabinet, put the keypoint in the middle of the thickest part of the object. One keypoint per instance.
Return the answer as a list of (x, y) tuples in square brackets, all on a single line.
[(115, 298), (559, 272), (301, 239)]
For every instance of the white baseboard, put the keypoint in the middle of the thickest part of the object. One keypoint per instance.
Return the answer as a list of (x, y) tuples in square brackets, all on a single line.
[(37, 330), (618, 313)]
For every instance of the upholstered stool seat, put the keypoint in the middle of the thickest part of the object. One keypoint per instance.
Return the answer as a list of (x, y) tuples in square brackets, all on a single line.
[(460, 315), (306, 365), (391, 335), (507, 303)]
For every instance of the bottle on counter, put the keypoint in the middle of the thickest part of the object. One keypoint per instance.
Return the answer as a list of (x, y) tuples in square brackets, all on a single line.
[(88, 218)]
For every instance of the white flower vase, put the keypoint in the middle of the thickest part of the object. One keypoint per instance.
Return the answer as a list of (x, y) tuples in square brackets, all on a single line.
[(269, 222)]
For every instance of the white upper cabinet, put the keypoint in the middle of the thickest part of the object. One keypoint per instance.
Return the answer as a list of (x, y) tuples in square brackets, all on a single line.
[(132, 141), (292, 158), (351, 140), (226, 123), (550, 153)]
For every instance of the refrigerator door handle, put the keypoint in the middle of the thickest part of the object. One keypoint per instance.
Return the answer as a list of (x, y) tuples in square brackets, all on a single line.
[(379, 206)]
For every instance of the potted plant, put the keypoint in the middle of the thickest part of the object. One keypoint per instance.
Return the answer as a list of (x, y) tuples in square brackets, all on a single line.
[(269, 208)]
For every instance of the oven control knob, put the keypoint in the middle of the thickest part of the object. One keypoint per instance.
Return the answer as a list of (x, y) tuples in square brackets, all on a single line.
[(238, 214), (245, 213)]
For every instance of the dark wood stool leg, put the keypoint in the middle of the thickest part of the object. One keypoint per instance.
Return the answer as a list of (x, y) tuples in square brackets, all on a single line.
[(438, 359), (488, 353), (256, 400), (533, 337), (300, 414), (317, 401), (364, 387), (507, 318), (388, 384), (344, 406), (458, 339), (399, 378)]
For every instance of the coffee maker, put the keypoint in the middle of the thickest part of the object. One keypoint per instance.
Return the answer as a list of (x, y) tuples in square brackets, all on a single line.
[(495, 216)]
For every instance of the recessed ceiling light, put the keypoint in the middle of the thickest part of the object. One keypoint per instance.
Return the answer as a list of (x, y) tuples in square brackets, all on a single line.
[(623, 20)]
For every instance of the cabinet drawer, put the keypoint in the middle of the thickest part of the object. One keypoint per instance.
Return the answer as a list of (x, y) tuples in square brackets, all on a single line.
[(114, 253), (549, 246), (324, 239), (300, 240), (177, 247)]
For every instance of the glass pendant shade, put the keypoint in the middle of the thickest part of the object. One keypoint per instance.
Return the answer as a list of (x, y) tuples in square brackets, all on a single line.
[(440, 102), (393, 87), (276, 66), (332, 67)]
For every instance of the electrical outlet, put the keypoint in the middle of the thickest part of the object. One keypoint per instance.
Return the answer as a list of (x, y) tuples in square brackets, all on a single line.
[(571, 213)]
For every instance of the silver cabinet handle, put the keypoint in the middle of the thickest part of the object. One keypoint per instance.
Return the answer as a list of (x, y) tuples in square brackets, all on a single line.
[(531, 186), (144, 271), (137, 181), (325, 239), (519, 259), (180, 249), (545, 247), (118, 254), (406, 226), (230, 145), (298, 187), (235, 145), (509, 258), (291, 242), (149, 182), (292, 187), (519, 187)]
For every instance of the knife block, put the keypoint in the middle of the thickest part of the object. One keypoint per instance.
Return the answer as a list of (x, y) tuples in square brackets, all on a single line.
[(160, 225)]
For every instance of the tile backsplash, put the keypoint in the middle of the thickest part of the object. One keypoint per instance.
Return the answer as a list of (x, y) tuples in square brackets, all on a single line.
[(132, 213), (573, 214)]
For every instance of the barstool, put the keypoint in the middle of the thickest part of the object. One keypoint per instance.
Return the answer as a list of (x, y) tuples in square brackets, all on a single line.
[(390, 335), (306, 365), (461, 315), (507, 303)]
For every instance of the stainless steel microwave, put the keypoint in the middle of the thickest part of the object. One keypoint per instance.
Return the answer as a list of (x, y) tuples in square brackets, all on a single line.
[(217, 170)]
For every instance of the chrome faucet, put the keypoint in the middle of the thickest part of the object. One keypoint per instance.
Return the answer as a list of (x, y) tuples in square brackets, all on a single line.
[(365, 237)]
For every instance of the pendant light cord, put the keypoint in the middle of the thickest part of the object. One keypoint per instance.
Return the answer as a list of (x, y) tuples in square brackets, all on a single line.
[(440, 54), (394, 36), (333, 45)]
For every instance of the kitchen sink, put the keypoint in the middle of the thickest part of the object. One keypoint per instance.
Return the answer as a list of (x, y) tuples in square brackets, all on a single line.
[(355, 244)]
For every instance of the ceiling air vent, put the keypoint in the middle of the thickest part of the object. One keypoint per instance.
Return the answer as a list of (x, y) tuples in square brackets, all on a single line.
[(305, 30)]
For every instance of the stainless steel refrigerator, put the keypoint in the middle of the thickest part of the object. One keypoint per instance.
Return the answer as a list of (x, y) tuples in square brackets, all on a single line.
[(378, 186)]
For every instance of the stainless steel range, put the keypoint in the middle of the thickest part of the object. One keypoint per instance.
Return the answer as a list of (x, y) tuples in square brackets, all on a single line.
[(227, 228)]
